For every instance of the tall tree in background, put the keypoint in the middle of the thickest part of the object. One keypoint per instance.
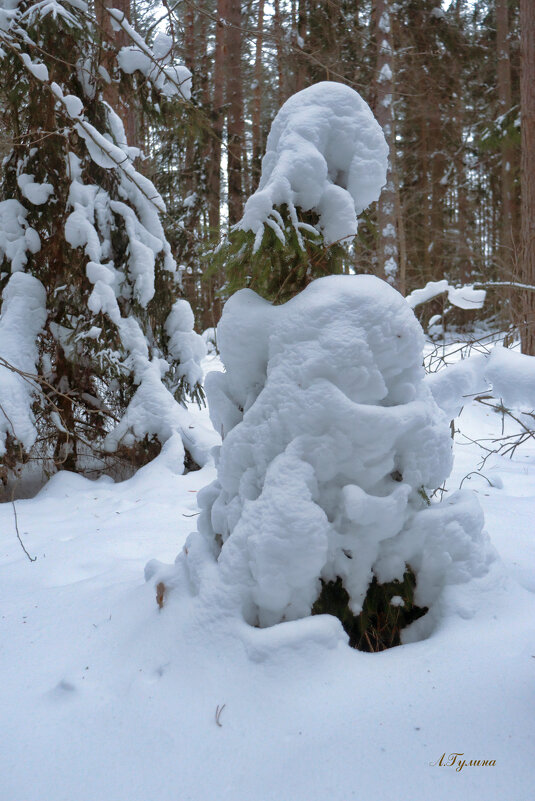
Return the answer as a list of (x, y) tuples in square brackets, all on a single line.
[(113, 38), (507, 153), (235, 119), (214, 200), (257, 144), (527, 99), (387, 219)]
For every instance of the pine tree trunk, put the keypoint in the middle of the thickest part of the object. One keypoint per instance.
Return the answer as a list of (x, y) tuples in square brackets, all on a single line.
[(188, 178), (114, 40), (387, 235), (257, 98), (507, 151), (279, 36), (439, 166), (527, 105), (214, 177), (301, 35), (234, 99), (402, 243)]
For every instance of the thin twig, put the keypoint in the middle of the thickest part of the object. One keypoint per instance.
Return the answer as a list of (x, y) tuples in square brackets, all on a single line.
[(218, 711), (477, 473), (31, 558)]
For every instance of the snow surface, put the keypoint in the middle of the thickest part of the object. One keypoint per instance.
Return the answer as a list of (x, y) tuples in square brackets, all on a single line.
[(330, 436), (325, 152), (104, 696)]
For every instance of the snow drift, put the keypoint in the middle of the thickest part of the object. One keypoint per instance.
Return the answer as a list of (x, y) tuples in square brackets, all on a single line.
[(330, 439)]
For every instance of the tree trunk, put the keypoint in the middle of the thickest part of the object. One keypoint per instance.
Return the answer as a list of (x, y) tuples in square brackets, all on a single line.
[(527, 105), (114, 40), (507, 151), (214, 177), (279, 36), (301, 35), (188, 177), (257, 98), (439, 166), (234, 99), (387, 235)]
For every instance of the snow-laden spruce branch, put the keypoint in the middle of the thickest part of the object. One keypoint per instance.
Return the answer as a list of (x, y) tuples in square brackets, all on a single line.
[(162, 372), (74, 107), (38, 384), (37, 381), (128, 59), (466, 296)]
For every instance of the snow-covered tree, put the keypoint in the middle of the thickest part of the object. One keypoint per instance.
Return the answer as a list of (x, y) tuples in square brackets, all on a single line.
[(332, 446), (325, 162), (97, 329)]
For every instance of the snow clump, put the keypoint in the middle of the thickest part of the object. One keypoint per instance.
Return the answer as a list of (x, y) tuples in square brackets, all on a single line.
[(22, 317), (330, 439), (325, 152), (504, 373)]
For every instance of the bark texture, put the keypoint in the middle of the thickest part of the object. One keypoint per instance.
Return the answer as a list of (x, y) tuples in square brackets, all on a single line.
[(527, 102)]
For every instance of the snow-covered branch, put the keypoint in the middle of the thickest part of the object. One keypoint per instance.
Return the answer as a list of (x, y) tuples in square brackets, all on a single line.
[(467, 296), (504, 373), (154, 63), (464, 297)]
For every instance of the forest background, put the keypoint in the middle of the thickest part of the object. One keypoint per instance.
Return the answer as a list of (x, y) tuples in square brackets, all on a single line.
[(443, 81), (452, 86)]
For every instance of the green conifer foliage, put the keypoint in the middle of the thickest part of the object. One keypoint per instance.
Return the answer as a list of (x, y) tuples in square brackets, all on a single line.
[(278, 270), (388, 608)]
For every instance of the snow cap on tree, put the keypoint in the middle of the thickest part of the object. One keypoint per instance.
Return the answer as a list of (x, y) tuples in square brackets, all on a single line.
[(325, 162), (325, 152)]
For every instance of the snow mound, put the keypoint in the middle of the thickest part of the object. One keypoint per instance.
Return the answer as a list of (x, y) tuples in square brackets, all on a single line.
[(325, 152), (330, 437), (453, 387)]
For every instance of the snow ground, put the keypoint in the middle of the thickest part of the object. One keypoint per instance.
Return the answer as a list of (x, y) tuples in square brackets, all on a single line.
[(103, 697)]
